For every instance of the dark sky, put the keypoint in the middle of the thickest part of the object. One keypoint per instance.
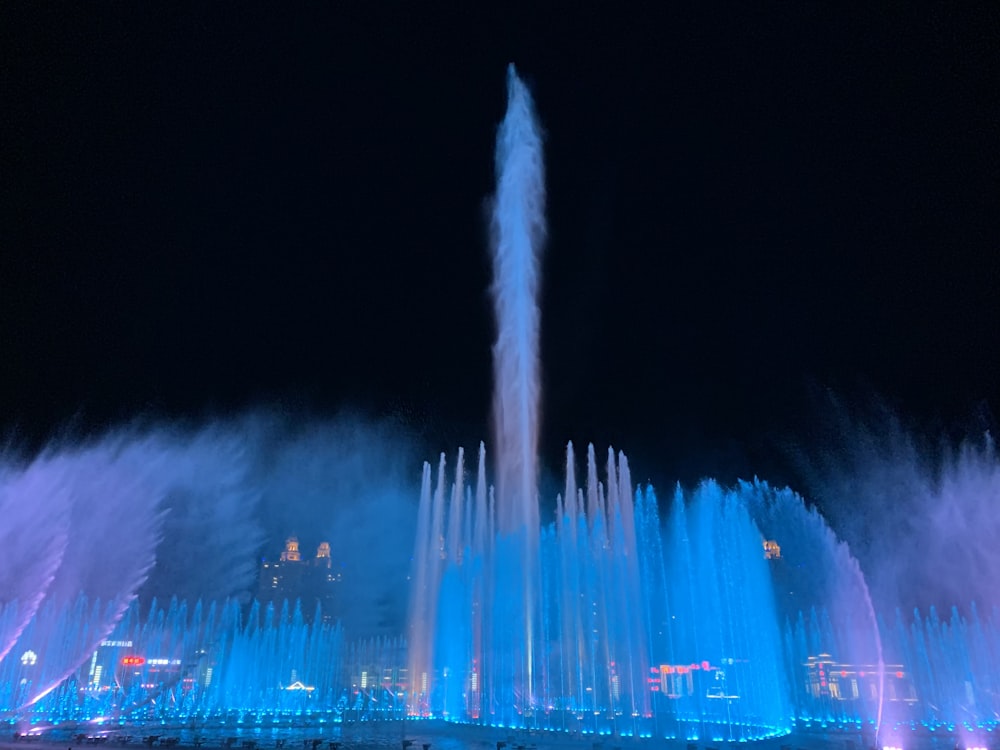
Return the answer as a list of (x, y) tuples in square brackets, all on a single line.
[(213, 206)]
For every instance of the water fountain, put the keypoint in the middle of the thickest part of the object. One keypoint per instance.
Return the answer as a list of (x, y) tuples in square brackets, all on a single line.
[(573, 624), (644, 627), (183, 665), (615, 620), (82, 526), (723, 614)]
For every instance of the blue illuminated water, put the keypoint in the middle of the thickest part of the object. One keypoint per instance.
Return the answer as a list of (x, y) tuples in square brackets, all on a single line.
[(220, 663), (608, 619), (616, 618), (649, 625), (629, 614), (678, 625)]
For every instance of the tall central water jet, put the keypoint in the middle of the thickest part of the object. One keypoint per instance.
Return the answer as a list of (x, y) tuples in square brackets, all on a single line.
[(518, 234)]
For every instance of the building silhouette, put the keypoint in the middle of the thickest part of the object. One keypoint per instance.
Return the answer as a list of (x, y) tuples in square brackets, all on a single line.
[(312, 582)]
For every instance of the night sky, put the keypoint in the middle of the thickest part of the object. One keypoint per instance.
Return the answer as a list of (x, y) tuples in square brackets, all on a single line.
[(212, 207)]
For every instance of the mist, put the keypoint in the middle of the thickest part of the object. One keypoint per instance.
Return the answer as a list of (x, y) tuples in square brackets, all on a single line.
[(189, 510), (922, 516)]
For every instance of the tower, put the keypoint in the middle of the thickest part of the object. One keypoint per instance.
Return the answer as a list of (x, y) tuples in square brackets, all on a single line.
[(291, 553)]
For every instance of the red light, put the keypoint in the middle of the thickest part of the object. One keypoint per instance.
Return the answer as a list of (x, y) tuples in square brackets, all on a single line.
[(706, 666), (843, 673), (861, 674), (899, 675)]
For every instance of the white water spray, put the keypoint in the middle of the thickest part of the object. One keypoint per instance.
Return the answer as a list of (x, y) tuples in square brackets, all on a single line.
[(518, 234)]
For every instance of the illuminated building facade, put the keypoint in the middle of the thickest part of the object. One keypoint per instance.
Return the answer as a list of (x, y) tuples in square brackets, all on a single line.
[(378, 678), (829, 679), (311, 581), (678, 681)]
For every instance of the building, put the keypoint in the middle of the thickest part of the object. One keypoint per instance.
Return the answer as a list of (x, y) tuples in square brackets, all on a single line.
[(830, 679), (311, 581)]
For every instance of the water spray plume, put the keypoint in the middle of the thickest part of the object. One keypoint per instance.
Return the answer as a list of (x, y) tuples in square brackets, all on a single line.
[(518, 235)]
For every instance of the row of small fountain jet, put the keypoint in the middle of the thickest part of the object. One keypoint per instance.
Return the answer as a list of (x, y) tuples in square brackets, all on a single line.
[(714, 644)]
